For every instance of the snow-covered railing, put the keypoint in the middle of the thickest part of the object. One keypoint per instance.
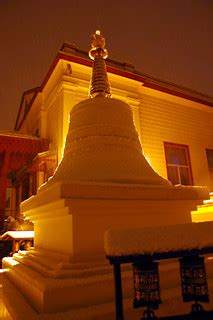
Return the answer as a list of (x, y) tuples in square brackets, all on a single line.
[(150, 240), (144, 247)]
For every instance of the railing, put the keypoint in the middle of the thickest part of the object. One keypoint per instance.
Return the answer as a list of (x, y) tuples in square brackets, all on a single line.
[(146, 282)]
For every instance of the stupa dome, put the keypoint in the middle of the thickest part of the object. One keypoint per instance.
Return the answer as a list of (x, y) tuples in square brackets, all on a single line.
[(103, 146)]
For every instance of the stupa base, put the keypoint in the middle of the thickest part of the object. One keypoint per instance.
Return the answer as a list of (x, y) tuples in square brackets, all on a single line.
[(68, 271)]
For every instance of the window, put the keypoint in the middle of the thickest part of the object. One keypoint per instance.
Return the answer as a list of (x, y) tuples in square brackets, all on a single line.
[(209, 155), (178, 163)]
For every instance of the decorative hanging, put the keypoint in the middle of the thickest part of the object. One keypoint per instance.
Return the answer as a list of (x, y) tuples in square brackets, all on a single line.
[(146, 285), (193, 278)]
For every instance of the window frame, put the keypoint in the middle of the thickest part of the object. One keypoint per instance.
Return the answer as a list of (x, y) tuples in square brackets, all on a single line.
[(178, 166)]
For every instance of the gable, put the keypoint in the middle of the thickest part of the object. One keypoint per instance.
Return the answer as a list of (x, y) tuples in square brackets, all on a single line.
[(26, 102)]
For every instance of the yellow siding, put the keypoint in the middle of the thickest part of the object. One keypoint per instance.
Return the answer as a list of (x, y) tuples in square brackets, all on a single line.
[(52, 131), (165, 121)]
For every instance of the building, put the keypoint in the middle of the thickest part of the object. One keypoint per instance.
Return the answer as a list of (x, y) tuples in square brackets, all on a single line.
[(174, 123), (18, 173)]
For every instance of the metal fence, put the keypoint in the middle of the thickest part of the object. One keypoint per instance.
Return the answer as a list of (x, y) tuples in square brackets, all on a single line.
[(146, 293)]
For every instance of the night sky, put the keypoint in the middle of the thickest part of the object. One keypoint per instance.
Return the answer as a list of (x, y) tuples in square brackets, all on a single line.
[(168, 39)]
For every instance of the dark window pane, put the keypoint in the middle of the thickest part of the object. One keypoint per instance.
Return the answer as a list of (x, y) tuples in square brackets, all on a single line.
[(176, 155), (182, 157), (184, 176), (209, 154), (173, 174)]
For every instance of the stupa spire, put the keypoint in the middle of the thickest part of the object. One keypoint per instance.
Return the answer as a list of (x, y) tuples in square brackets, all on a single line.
[(99, 83)]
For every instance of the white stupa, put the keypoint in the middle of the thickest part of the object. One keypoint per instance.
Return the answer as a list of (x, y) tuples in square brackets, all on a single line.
[(103, 181), (102, 144)]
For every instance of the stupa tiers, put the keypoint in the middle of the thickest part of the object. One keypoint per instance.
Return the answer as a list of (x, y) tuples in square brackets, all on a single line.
[(102, 182)]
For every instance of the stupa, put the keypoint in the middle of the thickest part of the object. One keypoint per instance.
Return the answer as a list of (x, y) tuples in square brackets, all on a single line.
[(103, 181)]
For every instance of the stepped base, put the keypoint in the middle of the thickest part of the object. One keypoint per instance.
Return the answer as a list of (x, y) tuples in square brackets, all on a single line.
[(57, 288), (22, 310)]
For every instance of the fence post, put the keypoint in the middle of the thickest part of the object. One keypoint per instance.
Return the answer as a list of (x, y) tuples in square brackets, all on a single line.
[(118, 292)]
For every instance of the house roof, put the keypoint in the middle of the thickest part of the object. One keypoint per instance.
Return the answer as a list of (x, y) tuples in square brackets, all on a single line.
[(13, 141)]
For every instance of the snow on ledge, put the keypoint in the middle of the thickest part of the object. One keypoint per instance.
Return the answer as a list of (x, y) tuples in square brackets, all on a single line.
[(149, 240), (19, 234)]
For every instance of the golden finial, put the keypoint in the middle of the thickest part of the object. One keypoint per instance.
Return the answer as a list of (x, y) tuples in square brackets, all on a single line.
[(98, 46), (99, 82)]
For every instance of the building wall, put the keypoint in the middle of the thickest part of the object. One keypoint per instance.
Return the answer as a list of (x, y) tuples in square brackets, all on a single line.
[(52, 126), (169, 121)]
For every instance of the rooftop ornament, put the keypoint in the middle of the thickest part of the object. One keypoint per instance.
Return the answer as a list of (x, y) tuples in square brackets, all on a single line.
[(99, 85)]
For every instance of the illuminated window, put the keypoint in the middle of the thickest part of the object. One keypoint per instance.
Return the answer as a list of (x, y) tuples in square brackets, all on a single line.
[(178, 163)]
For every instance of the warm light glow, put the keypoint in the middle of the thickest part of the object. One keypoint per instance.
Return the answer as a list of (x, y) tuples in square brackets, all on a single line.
[(19, 234), (98, 32), (12, 262), (2, 271), (202, 214), (62, 149), (209, 258), (148, 160)]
